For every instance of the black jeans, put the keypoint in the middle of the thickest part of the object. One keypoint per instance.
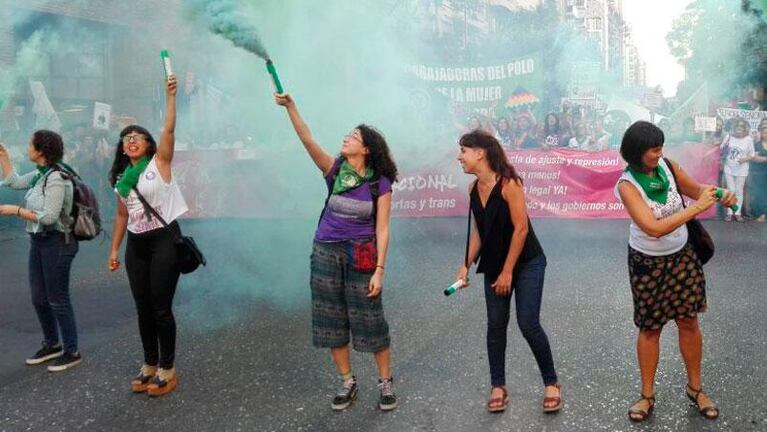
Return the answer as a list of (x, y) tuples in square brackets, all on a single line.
[(150, 259), (527, 289), (50, 265)]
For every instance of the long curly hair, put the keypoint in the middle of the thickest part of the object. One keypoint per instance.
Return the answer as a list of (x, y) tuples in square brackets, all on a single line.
[(50, 144), (378, 157), (121, 159), (496, 157)]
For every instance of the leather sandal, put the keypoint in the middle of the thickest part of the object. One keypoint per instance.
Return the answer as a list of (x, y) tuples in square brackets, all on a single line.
[(639, 415), (557, 399), (498, 404), (710, 412)]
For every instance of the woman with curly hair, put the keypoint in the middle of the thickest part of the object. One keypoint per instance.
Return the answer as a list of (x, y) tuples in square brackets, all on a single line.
[(48, 215), (349, 253)]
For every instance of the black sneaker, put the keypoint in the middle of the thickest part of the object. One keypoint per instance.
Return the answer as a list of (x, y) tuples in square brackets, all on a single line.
[(388, 400), (346, 395), (65, 362), (44, 354)]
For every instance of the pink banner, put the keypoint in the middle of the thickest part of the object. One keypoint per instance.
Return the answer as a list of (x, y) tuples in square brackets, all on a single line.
[(558, 183)]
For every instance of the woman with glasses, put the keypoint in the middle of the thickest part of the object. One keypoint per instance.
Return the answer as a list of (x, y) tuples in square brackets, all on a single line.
[(142, 169), (349, 253)]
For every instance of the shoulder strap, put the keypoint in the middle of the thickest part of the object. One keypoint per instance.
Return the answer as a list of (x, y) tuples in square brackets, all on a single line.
[(673, 175), (468, 227), (66, 175), (468, 236), (333, 174), (152, 212)]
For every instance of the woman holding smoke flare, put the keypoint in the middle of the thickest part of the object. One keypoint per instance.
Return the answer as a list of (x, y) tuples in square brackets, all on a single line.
[(511, 259), (349, 252), (48, 215), (666, 275), (142, 169)]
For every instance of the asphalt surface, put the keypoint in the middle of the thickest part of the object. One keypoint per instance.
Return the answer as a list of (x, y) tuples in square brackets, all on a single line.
[(245, 360)]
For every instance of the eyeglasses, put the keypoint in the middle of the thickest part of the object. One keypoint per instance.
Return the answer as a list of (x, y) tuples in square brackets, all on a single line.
[(353, 137), (131, 138)]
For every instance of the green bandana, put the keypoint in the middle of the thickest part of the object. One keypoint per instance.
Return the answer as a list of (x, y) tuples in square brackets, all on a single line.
[(656, 187), (129, 178), (41, 171), (348, 178)]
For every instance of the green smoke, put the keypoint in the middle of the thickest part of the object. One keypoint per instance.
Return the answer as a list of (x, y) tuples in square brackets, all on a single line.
[(231, 19)]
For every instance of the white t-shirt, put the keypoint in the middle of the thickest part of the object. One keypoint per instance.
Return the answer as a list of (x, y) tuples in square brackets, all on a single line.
[(586, 144), (645, 243), (737, 148), (164, 197)]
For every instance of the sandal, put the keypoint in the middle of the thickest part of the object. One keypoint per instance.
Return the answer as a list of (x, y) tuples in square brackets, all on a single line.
[(710, 412), (498, 404), (638, 415), (558, 399)]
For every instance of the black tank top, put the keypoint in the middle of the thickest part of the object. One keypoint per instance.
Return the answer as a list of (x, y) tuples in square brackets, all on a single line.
[(495, 231)]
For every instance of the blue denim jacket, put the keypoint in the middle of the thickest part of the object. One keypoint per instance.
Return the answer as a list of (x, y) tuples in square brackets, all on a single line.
[(53, 208)]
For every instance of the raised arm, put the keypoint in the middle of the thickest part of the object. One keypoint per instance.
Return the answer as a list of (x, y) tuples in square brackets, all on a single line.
[(9, 177), (321, 158), (167, 147), (5, 162)]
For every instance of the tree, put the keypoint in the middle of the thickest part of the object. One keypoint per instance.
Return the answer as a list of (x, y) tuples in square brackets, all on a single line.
[(721, 43)]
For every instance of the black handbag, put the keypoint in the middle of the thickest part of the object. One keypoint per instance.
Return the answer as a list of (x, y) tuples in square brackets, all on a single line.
[(189, 256), (697, 235)]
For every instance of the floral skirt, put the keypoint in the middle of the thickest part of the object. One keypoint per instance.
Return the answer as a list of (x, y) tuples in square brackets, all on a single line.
[(666, 287)]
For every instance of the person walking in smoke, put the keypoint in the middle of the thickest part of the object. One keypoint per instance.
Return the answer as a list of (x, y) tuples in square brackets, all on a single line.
[(48, 215), (512, 261), (738, 150), (666, 275), (349, 252), (142, 167)]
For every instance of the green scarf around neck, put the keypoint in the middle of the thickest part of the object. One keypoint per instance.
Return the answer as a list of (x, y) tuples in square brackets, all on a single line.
[(348, 178), (41, 172), (656, 187), (129, 178)]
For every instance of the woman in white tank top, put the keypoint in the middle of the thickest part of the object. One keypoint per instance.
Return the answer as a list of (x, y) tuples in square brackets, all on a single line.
[(666, 276), (150, 254)]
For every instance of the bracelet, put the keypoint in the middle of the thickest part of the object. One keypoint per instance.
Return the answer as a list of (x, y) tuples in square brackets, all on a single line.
[(18, 212), (698, 208)]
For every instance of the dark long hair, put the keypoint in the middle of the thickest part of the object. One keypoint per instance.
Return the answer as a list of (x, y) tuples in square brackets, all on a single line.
[(378, 157), (50, 144), (496, 157), (551, 130), (121, 159), (638, 139)]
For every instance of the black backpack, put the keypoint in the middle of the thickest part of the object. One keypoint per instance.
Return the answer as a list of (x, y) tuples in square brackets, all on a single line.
[(85, 208)]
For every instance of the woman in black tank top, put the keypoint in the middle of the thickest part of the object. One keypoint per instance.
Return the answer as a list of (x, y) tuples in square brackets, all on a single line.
[(512, 261)]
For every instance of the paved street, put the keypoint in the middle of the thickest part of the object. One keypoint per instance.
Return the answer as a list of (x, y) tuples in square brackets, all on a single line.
[(245, 360)]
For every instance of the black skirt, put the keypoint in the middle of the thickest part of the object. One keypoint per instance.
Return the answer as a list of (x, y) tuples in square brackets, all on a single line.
[(666, 287)]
